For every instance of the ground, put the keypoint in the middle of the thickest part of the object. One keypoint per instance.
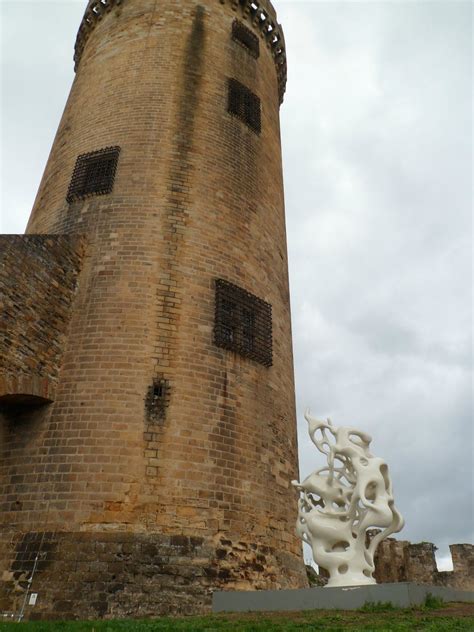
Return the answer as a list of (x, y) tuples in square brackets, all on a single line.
[(372, 618)]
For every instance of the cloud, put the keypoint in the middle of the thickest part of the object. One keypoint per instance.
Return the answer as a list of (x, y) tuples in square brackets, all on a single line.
[(377, 147)]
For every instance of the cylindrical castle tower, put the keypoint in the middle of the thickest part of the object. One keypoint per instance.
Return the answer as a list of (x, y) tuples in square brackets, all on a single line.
[(160, 470)]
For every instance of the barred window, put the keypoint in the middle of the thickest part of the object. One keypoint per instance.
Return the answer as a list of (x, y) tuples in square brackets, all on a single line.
[(244, 104), (94, 174), (245, 37), (243, 323)]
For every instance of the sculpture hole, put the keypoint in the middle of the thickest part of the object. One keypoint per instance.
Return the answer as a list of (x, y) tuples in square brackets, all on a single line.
[(367, 573), (318, 435), (363, 461), (354, 535), (357, 439), (341, 546), (315, 500), (371, 491), (343, 569), (384, 472)]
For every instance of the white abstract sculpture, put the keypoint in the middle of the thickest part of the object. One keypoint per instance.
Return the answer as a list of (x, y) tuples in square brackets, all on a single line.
[(339, 502)]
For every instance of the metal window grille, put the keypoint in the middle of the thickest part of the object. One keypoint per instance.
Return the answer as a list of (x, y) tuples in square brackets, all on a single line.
[(243, 323), (244, 104), (94, 174), (245, 37)]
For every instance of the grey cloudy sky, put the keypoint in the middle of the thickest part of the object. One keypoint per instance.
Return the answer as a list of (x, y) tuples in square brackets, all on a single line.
[(377, 142)]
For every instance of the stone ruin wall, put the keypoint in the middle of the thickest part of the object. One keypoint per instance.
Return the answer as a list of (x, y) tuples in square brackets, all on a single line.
[(398, 561), (402, 561)]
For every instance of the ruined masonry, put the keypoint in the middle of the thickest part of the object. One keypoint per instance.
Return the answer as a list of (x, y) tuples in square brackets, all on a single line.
[(147, 431), (402, 561)]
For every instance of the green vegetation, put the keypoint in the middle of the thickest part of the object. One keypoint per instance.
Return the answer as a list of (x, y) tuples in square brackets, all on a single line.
[(434, 603), (431, 603), (378, 606), (373, 618)]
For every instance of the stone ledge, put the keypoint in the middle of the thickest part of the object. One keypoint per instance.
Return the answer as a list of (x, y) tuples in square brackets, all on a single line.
[(26, 389), (401, 595)]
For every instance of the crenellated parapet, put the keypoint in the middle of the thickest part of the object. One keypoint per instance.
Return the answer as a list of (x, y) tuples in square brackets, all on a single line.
[(96, 9), (260, 13)]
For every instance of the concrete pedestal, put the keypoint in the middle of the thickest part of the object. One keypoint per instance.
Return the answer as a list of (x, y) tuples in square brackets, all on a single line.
[(402, 595)]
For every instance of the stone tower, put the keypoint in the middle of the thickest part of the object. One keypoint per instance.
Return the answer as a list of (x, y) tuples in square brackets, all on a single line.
[(148, 431)]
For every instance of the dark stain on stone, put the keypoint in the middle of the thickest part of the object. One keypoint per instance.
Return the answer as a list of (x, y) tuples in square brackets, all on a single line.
[(179, 540), (193, 63), (34, 547)]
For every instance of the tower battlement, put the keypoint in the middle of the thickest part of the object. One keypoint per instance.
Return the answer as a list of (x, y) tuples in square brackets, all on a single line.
[(259, 14)]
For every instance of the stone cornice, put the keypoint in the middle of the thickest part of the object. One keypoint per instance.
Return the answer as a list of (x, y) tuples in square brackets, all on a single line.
[(260, 13)]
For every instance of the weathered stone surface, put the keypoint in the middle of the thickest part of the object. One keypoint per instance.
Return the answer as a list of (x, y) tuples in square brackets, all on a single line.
[(122, 574), (463, 566)]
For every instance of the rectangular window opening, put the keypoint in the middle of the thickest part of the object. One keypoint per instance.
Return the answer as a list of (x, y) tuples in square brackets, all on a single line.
[(94, 174), (246, 38), (245, 105), (243, 323)]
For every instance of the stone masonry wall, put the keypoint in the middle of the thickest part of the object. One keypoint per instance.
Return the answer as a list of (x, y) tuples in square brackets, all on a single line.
[(463, 566), (402, 561), (399, 560), (38, 280), (114, 575)]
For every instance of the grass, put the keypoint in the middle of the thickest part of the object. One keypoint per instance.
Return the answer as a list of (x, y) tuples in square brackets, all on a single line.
[(431, 603), (372, 618), (378, 606)]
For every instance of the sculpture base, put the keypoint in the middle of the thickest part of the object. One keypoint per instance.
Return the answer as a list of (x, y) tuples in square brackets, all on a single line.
[(401, 595), (355, 581)]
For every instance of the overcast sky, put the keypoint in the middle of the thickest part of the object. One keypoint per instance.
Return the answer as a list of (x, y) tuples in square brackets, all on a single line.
[(377, 143)]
